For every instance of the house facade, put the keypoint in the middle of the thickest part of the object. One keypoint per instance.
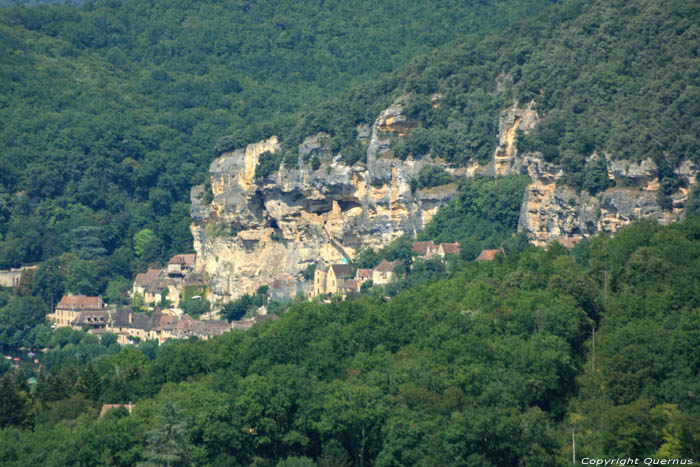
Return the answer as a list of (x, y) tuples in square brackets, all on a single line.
[(70, 307), (331, 281), (384, 272)]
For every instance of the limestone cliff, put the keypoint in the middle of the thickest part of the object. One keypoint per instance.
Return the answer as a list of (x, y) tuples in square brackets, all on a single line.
[(256, 229), (555, 212), (253, 230)]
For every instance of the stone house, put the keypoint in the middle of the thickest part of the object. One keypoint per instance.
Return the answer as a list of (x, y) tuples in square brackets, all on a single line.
[(363, 275), (320, 277), (425, 250), (349, 286), (331, 281), (180, 265), (70, 307), (11, 277), (151, 285), (337, 274), (91, 320), (385, 272)]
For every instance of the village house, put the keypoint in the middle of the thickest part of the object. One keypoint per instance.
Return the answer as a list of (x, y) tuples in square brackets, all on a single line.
[(91, 320), (70, 307), (363, 275), (331, 281), (569, 242), (180, 265), (448, 249), (91, 314), (161, 326), (172, 281), (385, 272), (424, 250), (148, 285), (349, 286), (119, 323), (246, 324), (489, 255), (428, 249)]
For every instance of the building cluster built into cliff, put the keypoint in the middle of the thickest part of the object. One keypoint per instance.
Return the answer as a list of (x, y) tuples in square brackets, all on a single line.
[(169, 285), (343, 279)]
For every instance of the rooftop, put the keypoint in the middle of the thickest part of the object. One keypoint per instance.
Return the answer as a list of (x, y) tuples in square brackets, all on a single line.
[(488, 255), (80, 302), (341, 270), (186, 260), (450, 248), (387, 266), (423, 248)]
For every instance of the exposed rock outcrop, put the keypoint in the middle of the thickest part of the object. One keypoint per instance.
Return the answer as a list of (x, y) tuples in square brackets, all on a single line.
[(256, 229), (253, 230), (553, 212)]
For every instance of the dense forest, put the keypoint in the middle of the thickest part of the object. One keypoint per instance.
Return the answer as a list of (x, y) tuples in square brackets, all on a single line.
[(493, 365), (111, 111)]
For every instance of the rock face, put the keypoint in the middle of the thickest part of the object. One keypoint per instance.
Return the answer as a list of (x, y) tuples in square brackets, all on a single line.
[(555, 212), (552, 212), (254, 230)]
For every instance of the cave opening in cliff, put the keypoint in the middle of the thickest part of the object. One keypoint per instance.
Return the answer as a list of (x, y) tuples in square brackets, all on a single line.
[(319, 206), (346, 205)]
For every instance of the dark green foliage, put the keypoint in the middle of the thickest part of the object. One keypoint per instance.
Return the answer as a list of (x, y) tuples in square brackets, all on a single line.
[(595, 178), (168, 442), (432, 176), (117, 148), (315, 162), (692, 206), (308, 272), (195, 308), (268, 163), (367, 259), (485, 363), (491, 366), (237, 309), (87, 242), (14, 401), (484, 215), (18, 317)]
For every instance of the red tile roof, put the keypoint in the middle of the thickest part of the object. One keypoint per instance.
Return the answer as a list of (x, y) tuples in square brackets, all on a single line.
[(488, 255), (186, 260), (569, 242), (387, 266), (423, 248), (450, 248), (364, 273), (80, 302)]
